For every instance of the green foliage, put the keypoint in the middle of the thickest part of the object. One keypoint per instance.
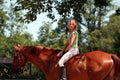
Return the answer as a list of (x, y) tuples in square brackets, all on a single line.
[(3, 19), (117, 45), (93, 11), (36, 74), (11, 31), (7, 43), (107, 38), (5, 71), (101, 40), (1, 2), (35, 7), (114, 21), (44, 34), (89, 13), (56, 38)]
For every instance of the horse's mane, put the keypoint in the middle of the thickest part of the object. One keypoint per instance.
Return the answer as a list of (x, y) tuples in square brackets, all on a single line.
[(37, 49)]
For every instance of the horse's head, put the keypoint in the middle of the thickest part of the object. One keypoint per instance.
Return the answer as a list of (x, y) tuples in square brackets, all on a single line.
[(19, 59)]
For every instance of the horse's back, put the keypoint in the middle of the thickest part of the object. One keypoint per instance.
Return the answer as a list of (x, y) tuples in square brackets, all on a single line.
[(96, 63), (99, 57)]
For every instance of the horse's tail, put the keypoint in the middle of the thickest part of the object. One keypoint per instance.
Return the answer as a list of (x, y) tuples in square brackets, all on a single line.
[(116, 60)]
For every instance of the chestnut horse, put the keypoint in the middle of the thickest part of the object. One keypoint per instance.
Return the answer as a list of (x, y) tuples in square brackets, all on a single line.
[(96, 65)]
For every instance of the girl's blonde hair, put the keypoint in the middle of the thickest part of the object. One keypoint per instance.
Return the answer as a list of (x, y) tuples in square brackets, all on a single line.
[(75, 23)]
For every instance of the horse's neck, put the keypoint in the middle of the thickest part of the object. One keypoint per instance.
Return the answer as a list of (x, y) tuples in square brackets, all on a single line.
[(48, 66)]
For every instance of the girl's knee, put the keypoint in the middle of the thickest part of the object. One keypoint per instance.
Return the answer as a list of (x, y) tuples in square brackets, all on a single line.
[(60, 63)]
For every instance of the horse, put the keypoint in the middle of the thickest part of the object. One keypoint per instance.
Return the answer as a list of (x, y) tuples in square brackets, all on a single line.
[(95, 65)]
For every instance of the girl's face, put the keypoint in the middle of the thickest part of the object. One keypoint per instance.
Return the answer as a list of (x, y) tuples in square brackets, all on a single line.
[(72, 25)]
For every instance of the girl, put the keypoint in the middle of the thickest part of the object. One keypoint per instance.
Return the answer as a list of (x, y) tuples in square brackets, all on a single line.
[(70, 48)]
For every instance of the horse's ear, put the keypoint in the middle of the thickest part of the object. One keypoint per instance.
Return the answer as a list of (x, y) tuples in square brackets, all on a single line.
[(17, 47)]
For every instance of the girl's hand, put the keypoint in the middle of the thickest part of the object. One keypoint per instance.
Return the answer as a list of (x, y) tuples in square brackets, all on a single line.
[(60, 54)]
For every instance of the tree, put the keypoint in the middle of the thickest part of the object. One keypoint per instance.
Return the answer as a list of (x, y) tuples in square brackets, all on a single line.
[(101, 39), (89, 13), (11, 31), (13, 24), (54, 38), (107, 38), (91, 10), (44, 34), (61, 33), (34, 7), (3, 26), (7, 43), (3, 18), (116, 45), (114, 21)]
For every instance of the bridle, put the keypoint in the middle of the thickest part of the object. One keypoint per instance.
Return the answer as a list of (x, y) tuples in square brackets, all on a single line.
[(20, 61)]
